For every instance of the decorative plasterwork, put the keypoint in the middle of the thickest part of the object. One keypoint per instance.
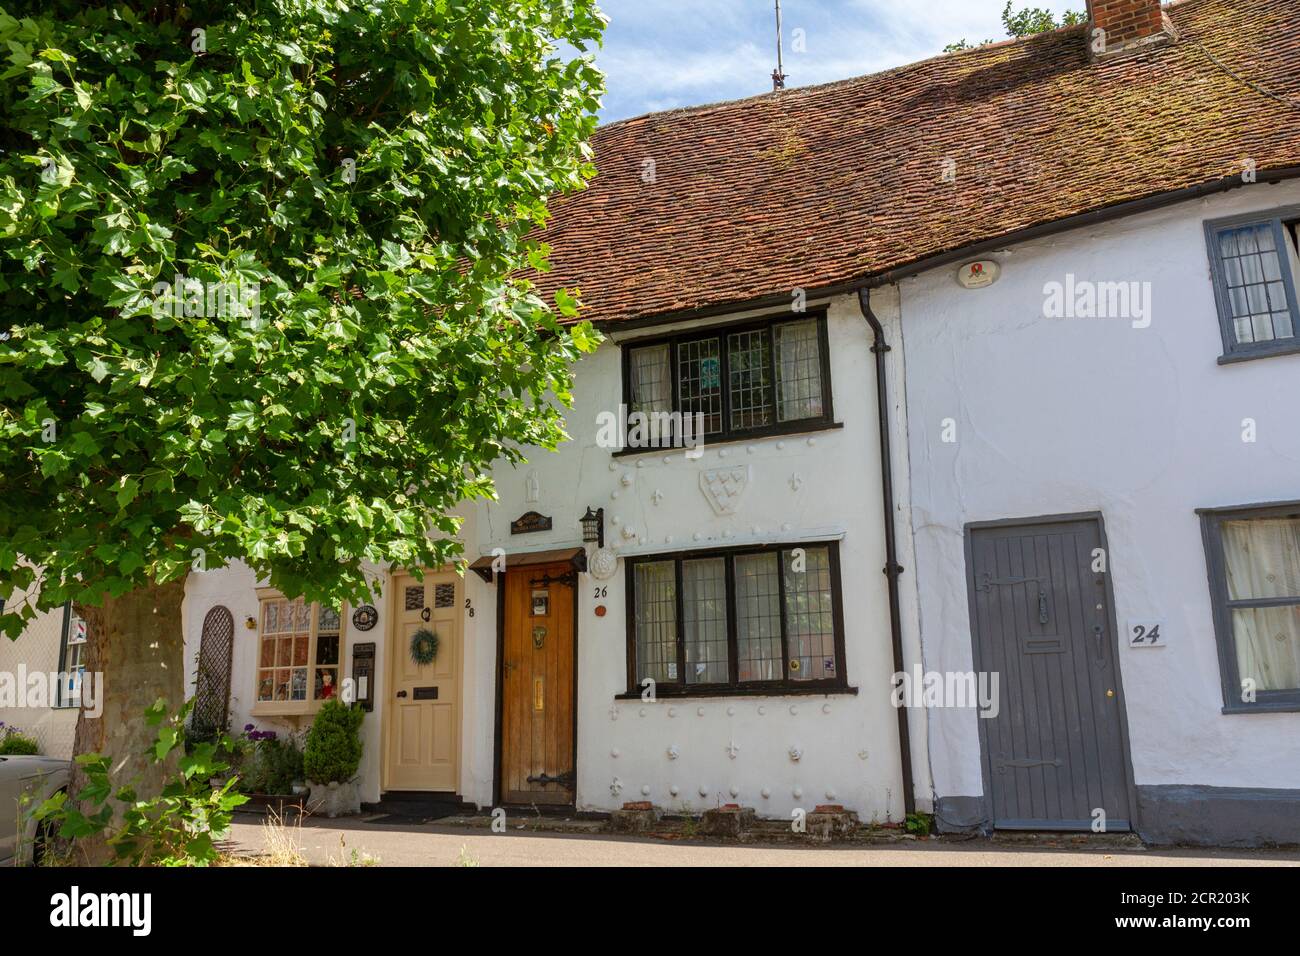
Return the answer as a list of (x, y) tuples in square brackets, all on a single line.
[(724, 487), (602, 564)]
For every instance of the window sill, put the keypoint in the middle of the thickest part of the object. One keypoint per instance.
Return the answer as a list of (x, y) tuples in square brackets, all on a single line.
[(1247, 355), (661, 693), (296, 709), (796, 428), (1270, 707)]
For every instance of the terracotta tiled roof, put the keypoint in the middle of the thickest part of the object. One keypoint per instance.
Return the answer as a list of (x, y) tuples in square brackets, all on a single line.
[(827, 185)]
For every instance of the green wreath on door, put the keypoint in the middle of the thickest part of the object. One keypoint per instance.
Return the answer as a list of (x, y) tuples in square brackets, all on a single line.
[(424, 646)]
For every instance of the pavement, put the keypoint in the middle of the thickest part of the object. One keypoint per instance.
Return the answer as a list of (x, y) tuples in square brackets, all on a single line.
[(470, 842)]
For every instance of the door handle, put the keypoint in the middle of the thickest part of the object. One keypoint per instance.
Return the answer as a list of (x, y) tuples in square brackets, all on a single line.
[(401, 693)]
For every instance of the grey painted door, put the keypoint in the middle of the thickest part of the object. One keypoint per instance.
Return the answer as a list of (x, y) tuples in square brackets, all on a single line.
[(1055, 752)]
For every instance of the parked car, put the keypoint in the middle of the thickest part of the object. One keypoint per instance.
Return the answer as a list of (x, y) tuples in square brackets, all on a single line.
[(22, 840)]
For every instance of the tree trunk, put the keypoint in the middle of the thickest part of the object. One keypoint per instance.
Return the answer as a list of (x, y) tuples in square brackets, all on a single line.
[(135, 648)]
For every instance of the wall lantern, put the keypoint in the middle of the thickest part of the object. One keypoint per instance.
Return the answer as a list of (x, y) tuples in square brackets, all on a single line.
[(593, 527)]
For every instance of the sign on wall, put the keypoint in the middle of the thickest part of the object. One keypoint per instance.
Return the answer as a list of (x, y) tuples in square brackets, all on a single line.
[(977, 275), (1146, 632)]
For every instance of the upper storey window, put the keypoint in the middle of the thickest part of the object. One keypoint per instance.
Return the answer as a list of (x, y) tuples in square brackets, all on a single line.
[(744, 380)]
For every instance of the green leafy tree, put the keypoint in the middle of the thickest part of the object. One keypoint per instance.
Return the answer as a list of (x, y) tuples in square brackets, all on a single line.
[(261, 296), (175, 828), (1026, 22)]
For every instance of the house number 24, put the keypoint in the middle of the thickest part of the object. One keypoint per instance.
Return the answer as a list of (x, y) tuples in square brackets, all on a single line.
[(1146, 633)]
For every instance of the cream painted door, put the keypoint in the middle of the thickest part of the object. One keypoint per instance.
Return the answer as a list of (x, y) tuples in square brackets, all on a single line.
[(424, 724)]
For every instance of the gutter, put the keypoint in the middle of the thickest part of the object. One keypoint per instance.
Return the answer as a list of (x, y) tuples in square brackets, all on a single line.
[(892, 568)]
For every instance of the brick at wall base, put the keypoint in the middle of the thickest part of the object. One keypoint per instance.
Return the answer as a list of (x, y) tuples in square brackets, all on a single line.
[(634, 818), (730, 820), (831, 822)]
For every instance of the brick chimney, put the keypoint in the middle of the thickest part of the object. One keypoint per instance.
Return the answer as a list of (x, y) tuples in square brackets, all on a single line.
[(1124, 25)]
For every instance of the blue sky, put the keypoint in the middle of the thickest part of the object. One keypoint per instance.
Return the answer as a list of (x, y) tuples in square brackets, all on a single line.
[(661, 54)]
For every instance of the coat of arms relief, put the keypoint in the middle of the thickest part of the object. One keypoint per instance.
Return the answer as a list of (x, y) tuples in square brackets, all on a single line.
[(724, 487)]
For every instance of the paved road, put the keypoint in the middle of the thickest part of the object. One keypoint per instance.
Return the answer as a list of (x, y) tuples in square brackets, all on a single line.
[(440, 845)]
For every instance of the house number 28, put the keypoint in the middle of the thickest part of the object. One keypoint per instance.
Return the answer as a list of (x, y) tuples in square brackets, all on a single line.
[(469, 607)]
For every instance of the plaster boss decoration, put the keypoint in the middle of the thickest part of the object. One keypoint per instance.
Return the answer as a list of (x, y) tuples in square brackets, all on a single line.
[(724, 487), (424, 647), (602, 564)]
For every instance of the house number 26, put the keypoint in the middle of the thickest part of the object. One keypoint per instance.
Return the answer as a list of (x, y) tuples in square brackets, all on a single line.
[(602, 592)]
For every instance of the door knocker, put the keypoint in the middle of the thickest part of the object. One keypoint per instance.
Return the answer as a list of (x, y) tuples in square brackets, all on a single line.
[(539, 636), (424, 615)]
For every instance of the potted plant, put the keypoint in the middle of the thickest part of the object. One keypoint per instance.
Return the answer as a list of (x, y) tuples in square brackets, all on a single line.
[(269, 766), (331, 758)]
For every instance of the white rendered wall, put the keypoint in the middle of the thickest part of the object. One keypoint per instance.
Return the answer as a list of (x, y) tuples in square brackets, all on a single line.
[(802, 488), (1074, 415)]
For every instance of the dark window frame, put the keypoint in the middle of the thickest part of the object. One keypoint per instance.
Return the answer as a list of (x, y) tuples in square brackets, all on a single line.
[(721, 331), (1266, 701), (734, 686), (1234, 351)]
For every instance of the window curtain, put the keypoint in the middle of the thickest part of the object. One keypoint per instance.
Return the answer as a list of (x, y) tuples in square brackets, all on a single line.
[(652, 391), (656, 621), (1289, 240), (799, 384), (1262, 561), (704, 625), (758, 617)]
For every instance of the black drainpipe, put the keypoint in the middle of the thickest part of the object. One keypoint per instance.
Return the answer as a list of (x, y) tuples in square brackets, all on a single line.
[(892, 568)]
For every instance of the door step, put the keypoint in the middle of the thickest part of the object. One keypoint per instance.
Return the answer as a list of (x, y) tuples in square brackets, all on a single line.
[(1066, 839), (407, 806)]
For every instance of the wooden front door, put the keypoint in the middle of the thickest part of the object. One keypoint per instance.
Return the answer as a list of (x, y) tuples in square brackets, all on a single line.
[(1055, 751), (424, 699), (537, 686)]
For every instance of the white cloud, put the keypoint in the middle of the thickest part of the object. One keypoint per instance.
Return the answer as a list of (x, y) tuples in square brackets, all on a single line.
[(680, 52)]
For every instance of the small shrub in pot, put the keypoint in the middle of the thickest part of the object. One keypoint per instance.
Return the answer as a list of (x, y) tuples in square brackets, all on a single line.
[(331, 758)]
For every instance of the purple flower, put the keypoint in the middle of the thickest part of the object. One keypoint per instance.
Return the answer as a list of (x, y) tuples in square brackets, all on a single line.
[(248, 727)]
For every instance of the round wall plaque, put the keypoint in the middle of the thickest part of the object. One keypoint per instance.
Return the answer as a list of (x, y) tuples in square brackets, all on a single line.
[(364, 617), (978, 275), (602, 564)]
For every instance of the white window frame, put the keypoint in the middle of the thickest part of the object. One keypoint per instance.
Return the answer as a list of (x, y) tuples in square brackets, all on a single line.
[(310, 704)]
